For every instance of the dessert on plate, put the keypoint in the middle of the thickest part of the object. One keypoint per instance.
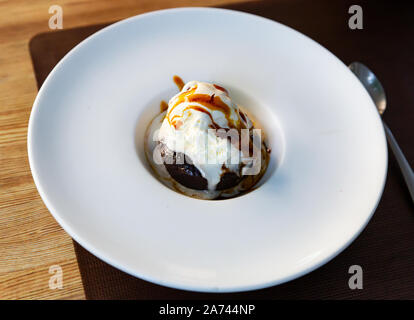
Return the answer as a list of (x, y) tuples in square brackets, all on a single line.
[(204, 145)]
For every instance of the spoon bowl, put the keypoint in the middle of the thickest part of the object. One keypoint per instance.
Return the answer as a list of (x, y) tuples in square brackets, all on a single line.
[(371, 84)]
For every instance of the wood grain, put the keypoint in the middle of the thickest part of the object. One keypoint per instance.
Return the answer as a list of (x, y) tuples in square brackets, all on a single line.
[(30, 239)]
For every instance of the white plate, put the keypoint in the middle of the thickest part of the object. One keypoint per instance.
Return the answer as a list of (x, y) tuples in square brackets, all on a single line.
[(328, 166)]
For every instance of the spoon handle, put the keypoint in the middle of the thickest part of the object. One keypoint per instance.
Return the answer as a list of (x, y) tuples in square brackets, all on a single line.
[(402, 161)]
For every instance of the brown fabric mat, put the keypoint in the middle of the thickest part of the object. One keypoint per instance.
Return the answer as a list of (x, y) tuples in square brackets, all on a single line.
[(385, 249)]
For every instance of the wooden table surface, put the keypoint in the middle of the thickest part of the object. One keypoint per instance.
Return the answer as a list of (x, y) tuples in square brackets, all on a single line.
[(30, 239)]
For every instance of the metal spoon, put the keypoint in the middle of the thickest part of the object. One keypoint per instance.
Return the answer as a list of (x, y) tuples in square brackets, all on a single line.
[(377, 93)]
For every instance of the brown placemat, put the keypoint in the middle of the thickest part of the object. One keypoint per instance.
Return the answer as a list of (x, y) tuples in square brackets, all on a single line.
[(385, 249)]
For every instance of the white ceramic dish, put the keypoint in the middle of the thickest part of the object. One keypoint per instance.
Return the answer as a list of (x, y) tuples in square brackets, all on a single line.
[(327, 172)]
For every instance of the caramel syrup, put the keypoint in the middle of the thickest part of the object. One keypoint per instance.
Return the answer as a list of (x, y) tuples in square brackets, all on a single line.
[(163, 106), (179, 82), (220, 88), (210, 103)]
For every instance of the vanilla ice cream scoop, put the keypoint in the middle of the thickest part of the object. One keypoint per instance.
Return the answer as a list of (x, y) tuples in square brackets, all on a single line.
[(190, 128), (198, 145)]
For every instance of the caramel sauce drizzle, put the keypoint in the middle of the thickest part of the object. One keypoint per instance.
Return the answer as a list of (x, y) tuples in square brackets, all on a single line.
[(181, 98), (163, 106), (242, 115), (179, 82), (220, 88), (212, 102), (198, 108), (178, 123)]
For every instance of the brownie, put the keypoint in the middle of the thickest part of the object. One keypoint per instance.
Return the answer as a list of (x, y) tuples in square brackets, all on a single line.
[(181, 169)]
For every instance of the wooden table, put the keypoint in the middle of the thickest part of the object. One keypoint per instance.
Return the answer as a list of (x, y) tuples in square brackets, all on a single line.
[(30, 239)]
